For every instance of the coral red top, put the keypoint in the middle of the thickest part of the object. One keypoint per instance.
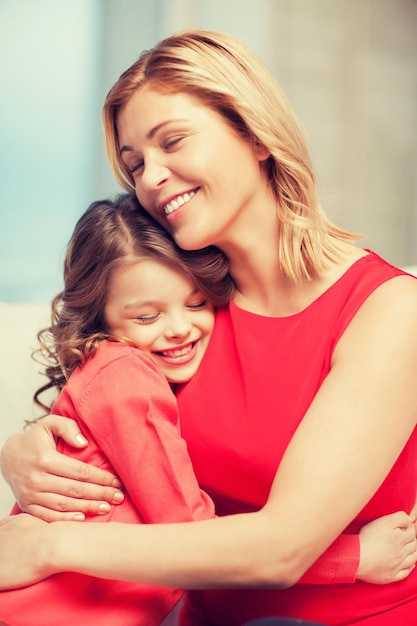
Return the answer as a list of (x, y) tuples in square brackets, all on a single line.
[(238, 415), (128, 413)]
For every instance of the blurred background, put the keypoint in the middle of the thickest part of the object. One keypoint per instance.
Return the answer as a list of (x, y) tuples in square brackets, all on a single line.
[(349, 68)]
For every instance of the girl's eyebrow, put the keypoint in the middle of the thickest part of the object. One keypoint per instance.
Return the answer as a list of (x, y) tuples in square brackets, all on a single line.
[(137, 304), (151, 134)]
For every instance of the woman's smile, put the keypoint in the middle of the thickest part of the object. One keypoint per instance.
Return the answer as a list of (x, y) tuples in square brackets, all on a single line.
[(177, 202)]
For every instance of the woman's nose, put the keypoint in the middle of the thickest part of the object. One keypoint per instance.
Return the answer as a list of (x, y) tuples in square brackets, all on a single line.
[(154, 174)]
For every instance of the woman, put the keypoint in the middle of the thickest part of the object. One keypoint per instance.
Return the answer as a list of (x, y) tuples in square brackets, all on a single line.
[(306, 396)]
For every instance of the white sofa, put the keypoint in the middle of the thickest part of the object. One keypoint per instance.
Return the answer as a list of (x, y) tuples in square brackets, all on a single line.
[(19, 374)]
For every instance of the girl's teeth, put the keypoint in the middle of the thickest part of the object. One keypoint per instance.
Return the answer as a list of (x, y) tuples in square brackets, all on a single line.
[(177, 353)]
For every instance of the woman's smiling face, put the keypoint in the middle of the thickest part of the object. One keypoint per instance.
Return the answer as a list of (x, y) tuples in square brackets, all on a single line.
[(191, 170)]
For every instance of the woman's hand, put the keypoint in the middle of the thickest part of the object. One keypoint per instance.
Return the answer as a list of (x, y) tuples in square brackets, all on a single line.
[(414, 515), (388, 549), (24, 550), (50, 485)]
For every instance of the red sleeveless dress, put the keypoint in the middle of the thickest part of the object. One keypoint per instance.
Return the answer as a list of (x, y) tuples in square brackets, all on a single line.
[(238, 415)]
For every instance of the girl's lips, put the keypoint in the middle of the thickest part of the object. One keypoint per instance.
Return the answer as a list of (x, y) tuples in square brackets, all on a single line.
[(178, 356)]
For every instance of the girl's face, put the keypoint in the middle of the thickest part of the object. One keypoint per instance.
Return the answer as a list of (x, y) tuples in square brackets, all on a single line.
[(161, 311), (192, 172)]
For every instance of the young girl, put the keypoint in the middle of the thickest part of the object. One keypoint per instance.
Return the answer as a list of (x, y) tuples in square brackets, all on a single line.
[(127, 286)]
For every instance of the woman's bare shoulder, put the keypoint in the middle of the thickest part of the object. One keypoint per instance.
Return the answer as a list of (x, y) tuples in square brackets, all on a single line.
[(399, 291)]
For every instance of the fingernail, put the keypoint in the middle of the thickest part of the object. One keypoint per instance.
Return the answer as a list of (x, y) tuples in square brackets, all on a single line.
[(104, 507), (116, 483), (81, 439), (118, 497), (79, 517)]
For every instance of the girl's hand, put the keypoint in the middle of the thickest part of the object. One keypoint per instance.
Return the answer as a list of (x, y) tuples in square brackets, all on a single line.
[(24, 548), (53, 486), (388, 549)]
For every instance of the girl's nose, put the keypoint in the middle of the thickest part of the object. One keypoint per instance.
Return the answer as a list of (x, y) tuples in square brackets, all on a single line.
[(178, 326)]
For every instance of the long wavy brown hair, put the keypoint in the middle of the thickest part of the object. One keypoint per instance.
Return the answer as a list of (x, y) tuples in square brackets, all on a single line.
[(111, 233)]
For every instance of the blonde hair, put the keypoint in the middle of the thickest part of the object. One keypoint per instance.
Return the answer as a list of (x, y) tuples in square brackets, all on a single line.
[(230, 79)]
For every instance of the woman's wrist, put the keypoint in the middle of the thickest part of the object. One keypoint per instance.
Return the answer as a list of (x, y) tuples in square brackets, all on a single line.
[(64, 552), (75, 547)]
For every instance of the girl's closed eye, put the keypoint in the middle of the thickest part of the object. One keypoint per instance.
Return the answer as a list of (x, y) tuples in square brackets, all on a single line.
[(147, 319), (201, 304)]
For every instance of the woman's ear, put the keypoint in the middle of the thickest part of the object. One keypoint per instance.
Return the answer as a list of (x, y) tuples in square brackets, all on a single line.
[(261, 151)]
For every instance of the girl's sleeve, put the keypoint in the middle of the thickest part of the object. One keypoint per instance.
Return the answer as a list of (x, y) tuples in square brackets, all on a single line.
[(132, 414), (337, 565)]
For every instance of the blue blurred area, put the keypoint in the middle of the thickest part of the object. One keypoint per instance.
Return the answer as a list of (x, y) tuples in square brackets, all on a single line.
[(48, 127), (52, 162), (349, 68)]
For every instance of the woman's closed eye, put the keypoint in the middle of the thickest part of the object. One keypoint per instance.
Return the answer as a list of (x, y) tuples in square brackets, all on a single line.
[(172, 142), (135, 167)]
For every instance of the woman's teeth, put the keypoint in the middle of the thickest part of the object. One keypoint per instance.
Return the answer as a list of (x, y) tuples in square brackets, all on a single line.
[(177, 202)]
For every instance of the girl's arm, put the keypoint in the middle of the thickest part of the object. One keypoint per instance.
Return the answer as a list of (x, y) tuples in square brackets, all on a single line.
[(132, 418), (339, 456), (383, 552)]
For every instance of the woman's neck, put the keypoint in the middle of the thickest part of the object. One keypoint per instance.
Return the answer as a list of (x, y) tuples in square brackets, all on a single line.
[(263, 289), (258, 278)]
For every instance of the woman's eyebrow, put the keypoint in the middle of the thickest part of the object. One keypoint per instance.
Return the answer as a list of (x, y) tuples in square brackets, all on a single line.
[(151, 134), (155, 129)]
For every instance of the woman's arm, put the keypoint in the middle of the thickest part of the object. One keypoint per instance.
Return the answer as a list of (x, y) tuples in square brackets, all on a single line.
[(384, 555), (158, 474), (51, 485), (339, 456), (32, 465)]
